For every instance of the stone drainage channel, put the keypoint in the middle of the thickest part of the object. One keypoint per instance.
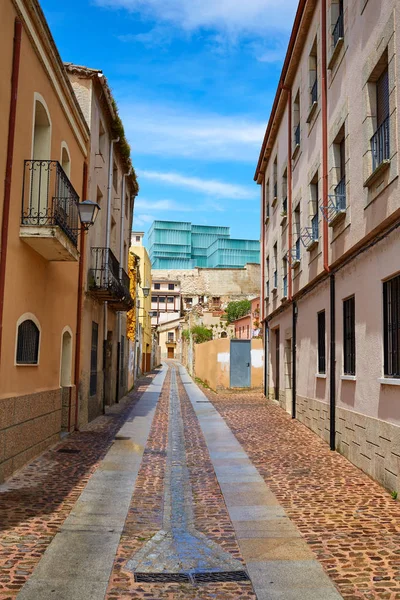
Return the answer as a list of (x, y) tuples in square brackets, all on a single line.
[(179, 553)]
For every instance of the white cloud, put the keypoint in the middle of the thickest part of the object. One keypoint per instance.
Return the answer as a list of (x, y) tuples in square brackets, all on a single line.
[(156, 205), (175, 131), (212, 187), (142, 219), (234, 16)]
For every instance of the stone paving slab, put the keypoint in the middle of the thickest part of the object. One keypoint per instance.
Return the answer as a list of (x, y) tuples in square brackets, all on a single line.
[(275, 564), (77, 553)]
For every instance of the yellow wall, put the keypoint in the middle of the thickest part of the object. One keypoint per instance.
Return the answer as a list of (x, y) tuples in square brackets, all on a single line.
[(212, 363)]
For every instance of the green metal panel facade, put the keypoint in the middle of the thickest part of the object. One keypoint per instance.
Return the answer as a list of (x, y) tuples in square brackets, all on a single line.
[(181, 245)]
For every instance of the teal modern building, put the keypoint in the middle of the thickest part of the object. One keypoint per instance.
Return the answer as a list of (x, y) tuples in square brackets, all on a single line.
[(181, 245)]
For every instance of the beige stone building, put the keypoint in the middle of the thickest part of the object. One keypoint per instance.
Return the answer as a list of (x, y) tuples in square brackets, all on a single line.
[(44, 162), (145, 355), (112, 184), (328, 171)]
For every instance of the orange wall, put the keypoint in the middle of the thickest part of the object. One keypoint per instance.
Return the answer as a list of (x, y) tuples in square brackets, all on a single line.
[(46, 289)]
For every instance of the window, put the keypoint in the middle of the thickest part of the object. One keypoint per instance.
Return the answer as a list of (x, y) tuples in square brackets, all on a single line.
[(296, 120), (284, 194), (296, 233), (267, 277), (171, 286), (275, 283), (170, 300), (138, 240), (284, 279), (102, 139), (275, 173), (339, 156), (157, 286), (28, 343), (321, 343), (188, 301), (380, 142), (170, 336), (338, 30), (349, 337), (313, 62), (314, 208), (161, 299), (216, 301), (93, 358), (391, 324), (154, 299), (266, 199)]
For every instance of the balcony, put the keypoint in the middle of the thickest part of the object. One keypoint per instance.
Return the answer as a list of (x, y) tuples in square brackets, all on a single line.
[(310, 235), (314, 100), (106, 282), (49, 214), (380, 144)]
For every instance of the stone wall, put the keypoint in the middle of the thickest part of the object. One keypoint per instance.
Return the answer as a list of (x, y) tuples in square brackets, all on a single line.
[(371, 444), (28, 425), (225, 283)]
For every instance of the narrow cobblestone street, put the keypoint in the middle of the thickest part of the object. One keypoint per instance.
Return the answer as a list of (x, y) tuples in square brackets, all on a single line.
[(242, 503)]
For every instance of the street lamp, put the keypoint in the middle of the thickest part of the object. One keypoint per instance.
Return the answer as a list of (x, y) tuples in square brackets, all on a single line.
[(146, 291), (88, 212)]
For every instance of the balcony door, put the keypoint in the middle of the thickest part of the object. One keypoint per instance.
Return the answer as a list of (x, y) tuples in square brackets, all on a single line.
[(41, 171)]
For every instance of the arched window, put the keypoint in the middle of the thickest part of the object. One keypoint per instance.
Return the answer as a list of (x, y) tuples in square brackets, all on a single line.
[(66, 359), (65, 160), (28, 343)]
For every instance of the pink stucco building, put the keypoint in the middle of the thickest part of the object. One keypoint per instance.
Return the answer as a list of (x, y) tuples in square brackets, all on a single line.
[(328, 172), (248, 326)]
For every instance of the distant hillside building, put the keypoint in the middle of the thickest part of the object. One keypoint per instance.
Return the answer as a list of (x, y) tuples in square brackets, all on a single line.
[(181, 245)]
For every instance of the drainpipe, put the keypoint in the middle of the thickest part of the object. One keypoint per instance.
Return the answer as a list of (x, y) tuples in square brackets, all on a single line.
[(121, 257), (81, 267), (262, 236), (108, 233), (294, 358), (324, 136), (266, 358), (289, 191), (9, 164), (332, 382)]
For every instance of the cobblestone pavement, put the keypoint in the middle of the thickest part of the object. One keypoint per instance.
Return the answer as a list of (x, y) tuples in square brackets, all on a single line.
[(351, 523), (145, 516), (37, 500)]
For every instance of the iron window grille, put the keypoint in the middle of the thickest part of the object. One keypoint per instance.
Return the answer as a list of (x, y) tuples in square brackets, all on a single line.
[(391, 324), (93, 359), (338, 31), (380, 144), (297, 135), (48, 198), (340, 194), (28, 343), (321, 343), (349, 337), (314, 228), (314, 92)]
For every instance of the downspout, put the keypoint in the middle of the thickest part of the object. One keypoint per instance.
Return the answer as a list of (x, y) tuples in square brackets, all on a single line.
[(332, 383), (108, 233), (9, 165), (121, 256), (266, 358), (332, 374), (81, 268), (262, 289), (294, 358)]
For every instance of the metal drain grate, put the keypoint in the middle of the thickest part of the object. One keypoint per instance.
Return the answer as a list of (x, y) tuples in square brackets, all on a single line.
[(221, 576), (194, 578), (162, 578), (69, 451)]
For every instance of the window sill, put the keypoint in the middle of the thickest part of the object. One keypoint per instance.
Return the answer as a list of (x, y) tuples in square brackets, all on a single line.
[(295, 151), (312, 245), (274, 290), (311, 112), (335, 53), (26, 364), (348, 378), (283, 220), (274, 201), (320, 375), (283, 298), (295, 263), (266, 220), (389, 381), (380, 170), (338, 218)]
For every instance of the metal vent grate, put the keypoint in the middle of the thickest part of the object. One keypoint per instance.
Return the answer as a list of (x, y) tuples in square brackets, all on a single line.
[(222, 576), (162, 578), (193, 578), (69, 451)]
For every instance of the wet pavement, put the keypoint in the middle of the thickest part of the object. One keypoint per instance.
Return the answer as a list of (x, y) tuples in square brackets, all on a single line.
[(169, 498)]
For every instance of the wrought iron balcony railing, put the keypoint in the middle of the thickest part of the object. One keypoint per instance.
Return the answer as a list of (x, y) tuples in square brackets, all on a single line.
[(48, 198), (338, 29), (380, 144), (297, 249), (314, 92), (297, 135), (107, 282), (340, 194), (314, 228)]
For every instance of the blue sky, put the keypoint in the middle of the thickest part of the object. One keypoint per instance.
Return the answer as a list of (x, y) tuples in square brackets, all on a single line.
[(194, 81)]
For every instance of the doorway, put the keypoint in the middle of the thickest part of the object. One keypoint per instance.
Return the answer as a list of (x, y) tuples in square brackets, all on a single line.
[(240, 358), (277, 363), (171, 353)]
